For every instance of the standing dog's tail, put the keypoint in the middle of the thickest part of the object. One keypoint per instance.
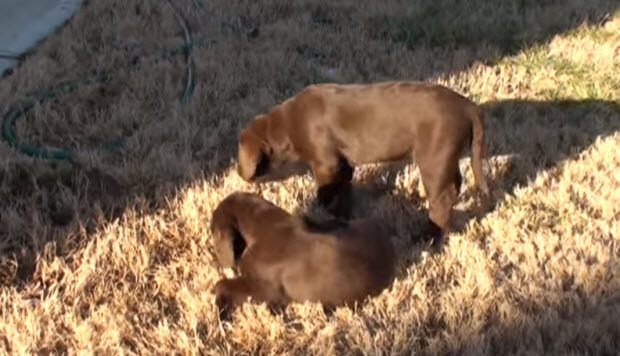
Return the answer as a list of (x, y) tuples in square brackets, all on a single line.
[(478, 150)]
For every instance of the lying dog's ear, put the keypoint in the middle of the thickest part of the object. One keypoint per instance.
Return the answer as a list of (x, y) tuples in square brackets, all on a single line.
[(224, 249), (221, 222), (229, 243), (229, 246)]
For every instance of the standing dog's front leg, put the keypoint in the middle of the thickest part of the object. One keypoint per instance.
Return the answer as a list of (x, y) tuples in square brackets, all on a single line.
[(334, 186), (231, 293)]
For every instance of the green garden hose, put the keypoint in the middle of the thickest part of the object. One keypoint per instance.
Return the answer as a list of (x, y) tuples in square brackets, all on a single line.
[(8, 124), (189, 87)]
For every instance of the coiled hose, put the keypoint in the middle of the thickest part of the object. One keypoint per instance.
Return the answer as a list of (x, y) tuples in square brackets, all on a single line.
[(8, 124)]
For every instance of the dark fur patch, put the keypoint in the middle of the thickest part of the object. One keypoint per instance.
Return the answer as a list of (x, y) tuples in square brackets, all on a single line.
[(239, 244), (329, 225), (262, 167)]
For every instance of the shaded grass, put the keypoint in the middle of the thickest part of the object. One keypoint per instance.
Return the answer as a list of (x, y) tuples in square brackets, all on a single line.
[(508, 26)]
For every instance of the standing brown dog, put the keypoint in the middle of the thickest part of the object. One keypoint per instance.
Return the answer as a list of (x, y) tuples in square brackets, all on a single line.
[(333, 127), (280, 260)]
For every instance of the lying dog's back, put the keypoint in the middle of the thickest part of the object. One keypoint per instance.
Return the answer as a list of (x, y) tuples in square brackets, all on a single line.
[(343, 266)]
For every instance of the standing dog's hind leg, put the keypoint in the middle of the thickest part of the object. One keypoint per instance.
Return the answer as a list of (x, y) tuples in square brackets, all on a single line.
[(442, 182)]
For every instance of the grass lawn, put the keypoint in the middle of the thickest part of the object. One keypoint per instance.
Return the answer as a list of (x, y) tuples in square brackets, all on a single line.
[(110, 253)]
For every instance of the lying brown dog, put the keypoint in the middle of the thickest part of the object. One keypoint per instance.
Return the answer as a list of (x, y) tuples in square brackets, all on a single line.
[(333, 127), (279, 259)]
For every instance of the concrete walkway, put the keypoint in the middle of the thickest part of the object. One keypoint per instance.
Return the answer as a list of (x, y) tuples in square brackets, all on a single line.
[(23, 23)]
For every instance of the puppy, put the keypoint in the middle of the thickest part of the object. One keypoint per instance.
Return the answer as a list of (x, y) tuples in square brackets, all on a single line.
[(279, 259), (333, 127)]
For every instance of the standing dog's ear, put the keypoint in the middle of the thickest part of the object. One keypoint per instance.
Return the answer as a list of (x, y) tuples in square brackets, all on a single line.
[(253, 158)]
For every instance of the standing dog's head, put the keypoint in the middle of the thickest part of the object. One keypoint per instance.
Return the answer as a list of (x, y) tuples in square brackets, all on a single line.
[(264, 146), (254, 151)]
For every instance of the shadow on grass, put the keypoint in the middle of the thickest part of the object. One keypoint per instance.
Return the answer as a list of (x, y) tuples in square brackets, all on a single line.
[(483, 30), (61, 203)]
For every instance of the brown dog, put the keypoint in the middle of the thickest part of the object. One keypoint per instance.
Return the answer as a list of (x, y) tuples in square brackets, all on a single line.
[(333, 127), (279, 259)]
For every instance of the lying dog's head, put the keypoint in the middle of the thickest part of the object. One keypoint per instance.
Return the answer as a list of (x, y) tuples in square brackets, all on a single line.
[(264, 147)]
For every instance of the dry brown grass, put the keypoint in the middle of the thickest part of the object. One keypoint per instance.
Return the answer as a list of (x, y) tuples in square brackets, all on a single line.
[(536, 272)]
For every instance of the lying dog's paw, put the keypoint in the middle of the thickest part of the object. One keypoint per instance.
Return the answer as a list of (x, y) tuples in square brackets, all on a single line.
[(276, 308), (341, 205), (336, 199), (323, 226), (328, 310), (223, 300), (224, 306), (431, 230), (342, 211), (437, 244)]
